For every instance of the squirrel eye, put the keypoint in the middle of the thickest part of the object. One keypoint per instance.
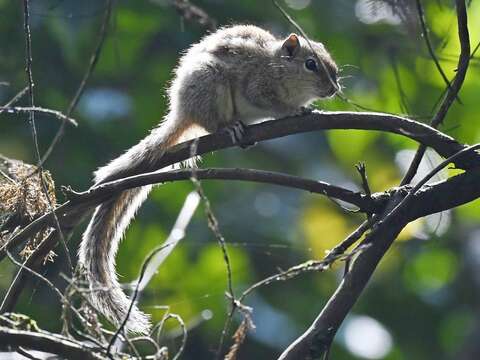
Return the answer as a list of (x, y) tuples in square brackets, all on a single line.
[(311, 65)]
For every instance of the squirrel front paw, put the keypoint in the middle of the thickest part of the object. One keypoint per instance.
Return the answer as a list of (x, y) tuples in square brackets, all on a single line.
[(306, 110), (237, 131)]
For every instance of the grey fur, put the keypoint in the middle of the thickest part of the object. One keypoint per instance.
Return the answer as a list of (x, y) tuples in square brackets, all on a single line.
[(238, 73)]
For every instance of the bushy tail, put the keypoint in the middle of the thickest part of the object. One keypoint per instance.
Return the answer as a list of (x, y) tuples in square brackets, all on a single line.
[(103, 235), (97, 254)]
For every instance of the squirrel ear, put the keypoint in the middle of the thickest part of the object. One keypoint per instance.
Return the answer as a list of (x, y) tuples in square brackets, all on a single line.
[(291, 45)]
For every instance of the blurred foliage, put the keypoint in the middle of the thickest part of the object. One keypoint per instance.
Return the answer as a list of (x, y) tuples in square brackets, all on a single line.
[(425, 293)]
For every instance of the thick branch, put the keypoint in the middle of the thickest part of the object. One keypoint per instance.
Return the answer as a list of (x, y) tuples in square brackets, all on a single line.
[(316, 341), (430, 199)]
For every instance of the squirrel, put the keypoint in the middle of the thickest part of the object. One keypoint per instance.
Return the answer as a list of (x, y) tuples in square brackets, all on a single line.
[(234, 76)]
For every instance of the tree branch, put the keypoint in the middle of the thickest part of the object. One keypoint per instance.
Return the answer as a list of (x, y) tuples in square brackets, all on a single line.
[(47, 342), (36, 109), (443, 144), (405, 207), (453, 90), (431, 51), (71, 214), (364, 203), (194, 13), (316, 341)]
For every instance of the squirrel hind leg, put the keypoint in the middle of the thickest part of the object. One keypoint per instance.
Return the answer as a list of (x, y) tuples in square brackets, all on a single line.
[(205, 96)]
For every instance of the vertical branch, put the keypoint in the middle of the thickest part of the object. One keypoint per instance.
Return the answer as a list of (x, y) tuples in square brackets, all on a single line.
[(431, 51), (41, 160), (463, 62), (29, 72)]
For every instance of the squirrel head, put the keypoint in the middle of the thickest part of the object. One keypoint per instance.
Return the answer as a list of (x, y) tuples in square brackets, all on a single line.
[(309, 70)]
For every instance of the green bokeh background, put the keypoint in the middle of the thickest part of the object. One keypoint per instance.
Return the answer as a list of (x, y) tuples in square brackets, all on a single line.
[(425, 292)]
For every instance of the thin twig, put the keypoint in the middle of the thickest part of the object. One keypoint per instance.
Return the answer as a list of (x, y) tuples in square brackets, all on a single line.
[(362, 170), (16, 98), (472, 57), (18, 283), (183, 328), (35, 109), (404, 102), (423, 181), (5, 175), (338, 252), (48, 282), (213, 224)]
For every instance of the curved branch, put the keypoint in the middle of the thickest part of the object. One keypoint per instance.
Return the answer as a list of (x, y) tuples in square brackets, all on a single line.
[(363, 202), (443, 144)]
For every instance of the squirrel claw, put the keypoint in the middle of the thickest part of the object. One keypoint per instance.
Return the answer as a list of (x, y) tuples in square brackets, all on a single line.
[(237, 131)]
